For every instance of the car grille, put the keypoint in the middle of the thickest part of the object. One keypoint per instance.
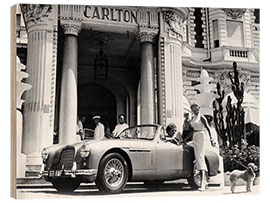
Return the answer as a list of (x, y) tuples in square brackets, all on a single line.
[(66, 159)]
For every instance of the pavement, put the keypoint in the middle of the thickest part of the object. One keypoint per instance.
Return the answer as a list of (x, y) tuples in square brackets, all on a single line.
[(171, 189)]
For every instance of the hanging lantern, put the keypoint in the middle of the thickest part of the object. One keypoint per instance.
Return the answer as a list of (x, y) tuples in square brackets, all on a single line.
[(101, 64)]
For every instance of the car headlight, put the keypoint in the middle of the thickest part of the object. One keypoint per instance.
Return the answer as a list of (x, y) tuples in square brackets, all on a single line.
[(45, 154), (85, 150)]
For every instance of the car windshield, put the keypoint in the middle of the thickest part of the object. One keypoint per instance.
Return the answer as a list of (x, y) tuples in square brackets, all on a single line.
[(139, 132)]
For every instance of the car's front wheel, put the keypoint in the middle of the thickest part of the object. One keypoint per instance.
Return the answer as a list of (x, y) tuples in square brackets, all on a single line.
[(112, 173), (66, 186)]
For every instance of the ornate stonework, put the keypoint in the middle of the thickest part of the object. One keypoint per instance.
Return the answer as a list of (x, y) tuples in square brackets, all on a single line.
[(35, 13), (193, 73), (162, 83), (234, 13), (224, 80), (147, 34), (72, 28), (245, 78), (148, 18), (175, 22), (71, 18), (184, 75), (53, 77)]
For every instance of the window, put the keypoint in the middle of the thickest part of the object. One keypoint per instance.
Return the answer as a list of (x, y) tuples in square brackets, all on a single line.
[(235, 33), (145, 132), (215, 33), (257, 16), (18, 20), (198, 28)]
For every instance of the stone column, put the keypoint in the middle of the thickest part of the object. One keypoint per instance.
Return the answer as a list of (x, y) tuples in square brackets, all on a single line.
[(38, 114), (170, 66), (147, 76), (68, 94)]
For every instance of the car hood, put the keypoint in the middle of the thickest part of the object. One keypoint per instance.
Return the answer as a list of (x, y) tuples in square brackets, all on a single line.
[(105, 144)]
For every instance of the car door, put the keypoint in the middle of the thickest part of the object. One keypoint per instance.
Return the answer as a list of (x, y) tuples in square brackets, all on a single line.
[(169, 159), (142, 152)]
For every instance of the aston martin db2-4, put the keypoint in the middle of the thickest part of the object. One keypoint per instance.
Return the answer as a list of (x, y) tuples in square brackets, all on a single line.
[(140, 153)]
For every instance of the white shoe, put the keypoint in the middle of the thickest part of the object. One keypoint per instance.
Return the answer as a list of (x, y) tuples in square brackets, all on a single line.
[(201, 189)]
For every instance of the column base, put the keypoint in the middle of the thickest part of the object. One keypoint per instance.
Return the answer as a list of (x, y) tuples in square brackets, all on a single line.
[(21, 165), (33, 165)]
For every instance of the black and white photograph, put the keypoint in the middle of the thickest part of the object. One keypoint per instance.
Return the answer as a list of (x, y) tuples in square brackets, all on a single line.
[(128, 101)]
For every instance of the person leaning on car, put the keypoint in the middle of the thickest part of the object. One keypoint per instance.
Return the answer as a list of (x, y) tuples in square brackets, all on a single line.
[(99, 130), (201, 129)]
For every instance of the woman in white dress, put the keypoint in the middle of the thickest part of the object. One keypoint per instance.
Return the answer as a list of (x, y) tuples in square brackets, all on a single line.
[(200, 127)]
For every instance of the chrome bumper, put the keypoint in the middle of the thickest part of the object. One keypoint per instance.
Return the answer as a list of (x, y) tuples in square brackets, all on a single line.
[(68, 173)]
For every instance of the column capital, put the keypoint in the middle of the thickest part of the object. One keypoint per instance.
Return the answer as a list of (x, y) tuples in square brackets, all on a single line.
[(71, 27), (147, 34), (71, 18), (36, 14)]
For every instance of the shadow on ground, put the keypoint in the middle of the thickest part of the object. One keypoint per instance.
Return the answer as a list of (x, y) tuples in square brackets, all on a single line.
[(131, 188)]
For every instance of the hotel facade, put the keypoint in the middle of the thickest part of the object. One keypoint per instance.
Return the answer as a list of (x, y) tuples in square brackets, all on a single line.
[(143, 62)]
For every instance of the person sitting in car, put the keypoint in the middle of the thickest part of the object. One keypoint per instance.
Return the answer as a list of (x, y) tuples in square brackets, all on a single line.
[(120, 126), (171, 136)]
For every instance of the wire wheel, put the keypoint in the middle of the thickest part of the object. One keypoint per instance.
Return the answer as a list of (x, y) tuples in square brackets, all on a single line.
[(114, 172)]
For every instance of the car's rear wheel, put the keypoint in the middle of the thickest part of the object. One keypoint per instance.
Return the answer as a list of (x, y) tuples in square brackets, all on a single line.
[(194, 180), (112, 174), (66, 186)]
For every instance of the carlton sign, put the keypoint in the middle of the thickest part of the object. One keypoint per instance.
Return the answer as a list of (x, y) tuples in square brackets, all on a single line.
[(110, 14)]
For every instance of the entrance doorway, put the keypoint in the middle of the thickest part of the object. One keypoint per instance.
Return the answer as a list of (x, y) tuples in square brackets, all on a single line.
[(97, 100)]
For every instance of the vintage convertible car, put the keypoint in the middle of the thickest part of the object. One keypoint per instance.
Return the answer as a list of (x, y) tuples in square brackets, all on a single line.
[(140, 153)]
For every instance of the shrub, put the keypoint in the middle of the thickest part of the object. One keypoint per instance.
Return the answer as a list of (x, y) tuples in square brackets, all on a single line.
[(234, 158)]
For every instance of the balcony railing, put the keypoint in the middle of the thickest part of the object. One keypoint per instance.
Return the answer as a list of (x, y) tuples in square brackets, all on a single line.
[(239, 53), (229, 53)]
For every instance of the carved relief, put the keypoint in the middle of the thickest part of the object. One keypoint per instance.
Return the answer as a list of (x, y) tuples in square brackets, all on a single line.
[(175, 22), (223, 80), (234, 13), (245, 78), (35, 13)]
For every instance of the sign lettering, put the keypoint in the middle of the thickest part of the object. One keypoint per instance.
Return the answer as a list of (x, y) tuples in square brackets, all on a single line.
[(110, 14)]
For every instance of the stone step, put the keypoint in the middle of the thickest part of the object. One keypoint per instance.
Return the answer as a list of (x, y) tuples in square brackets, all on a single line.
[(31, 180)]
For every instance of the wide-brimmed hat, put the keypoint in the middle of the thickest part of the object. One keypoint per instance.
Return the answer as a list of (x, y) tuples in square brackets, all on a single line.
[(96, 117)]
